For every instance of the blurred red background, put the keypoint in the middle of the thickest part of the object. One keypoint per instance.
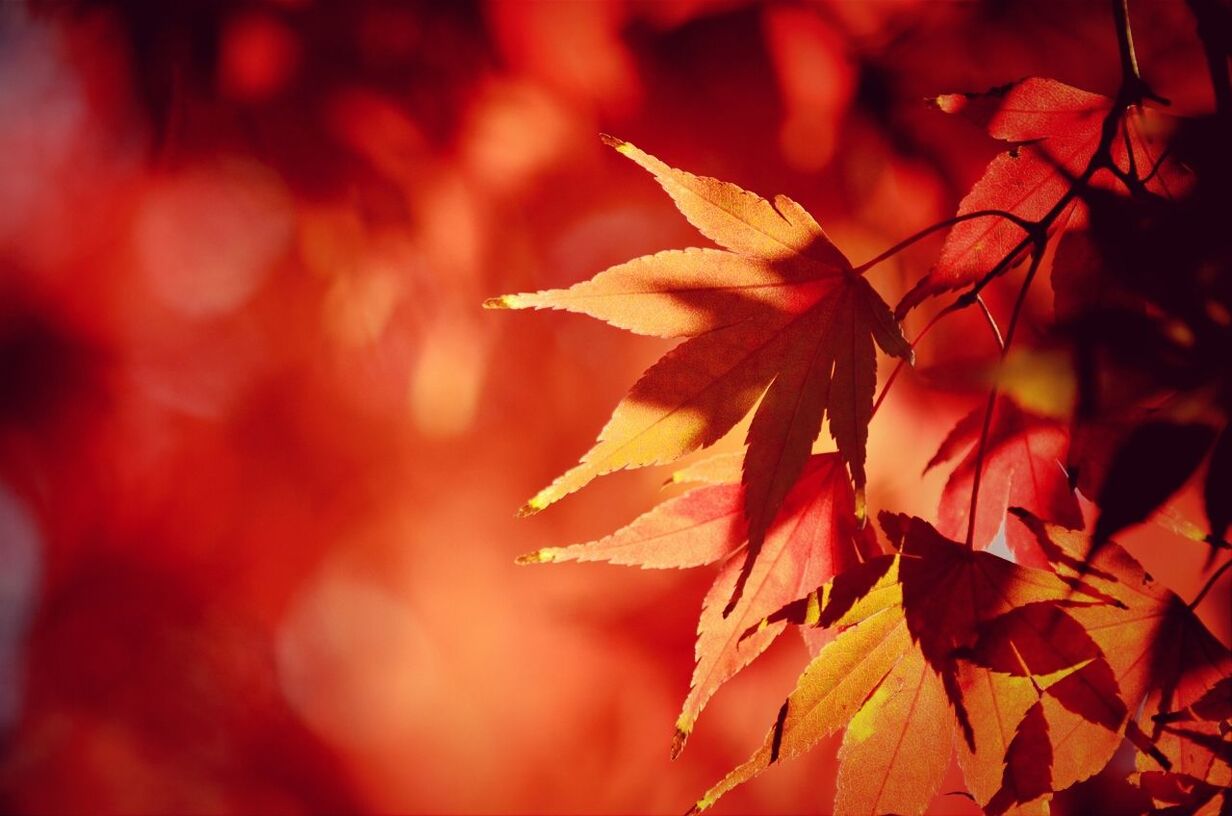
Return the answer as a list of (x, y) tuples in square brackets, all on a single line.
[(260, 448)]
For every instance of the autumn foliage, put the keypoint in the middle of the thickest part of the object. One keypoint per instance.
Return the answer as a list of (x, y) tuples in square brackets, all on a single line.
[(932, 301), (1009, 627)]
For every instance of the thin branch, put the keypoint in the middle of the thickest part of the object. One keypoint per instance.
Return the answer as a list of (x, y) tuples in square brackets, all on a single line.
[(1037, 236), (1159, 162), (1036, 258), (1210, 582), (1133, 87), (940, 225), (992, 323), (982, 450), (979, 466), (885, 389), (1125, 42)]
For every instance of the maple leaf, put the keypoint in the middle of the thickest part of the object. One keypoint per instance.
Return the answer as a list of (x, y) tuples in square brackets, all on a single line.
[(1054, 130), (779, 313), (1022, 466), (995, 703), (950, 596), (814, 538), (1162, 658), (1027, 776), (1198, 738), (996, 634), (1182, 794), (1072, 687), (1153, 462), (834, 686), (895, 750), (949, 591)]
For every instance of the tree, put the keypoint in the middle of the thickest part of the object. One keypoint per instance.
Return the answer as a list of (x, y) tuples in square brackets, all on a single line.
[(1036, 667)]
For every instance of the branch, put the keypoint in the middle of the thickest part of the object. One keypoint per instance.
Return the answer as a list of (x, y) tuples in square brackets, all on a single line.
[(992, 324), (885, 389), (979, 466), (1125, 42), (1036, 256), (1133, 88), (1210, 583), (940, 225)]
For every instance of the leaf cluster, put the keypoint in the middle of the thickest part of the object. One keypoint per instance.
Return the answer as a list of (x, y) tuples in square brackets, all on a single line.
[(1032, 670)]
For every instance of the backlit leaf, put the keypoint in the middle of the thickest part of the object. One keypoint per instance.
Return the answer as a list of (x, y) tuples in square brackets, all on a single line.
[(815, 538), (836, 684), (896, 749), (1053, 130), (781, 309), (949, 591), (1022, 467)]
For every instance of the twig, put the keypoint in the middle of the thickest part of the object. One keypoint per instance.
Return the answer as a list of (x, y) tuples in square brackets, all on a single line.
[(1133, 88), (885, 389), (940, 225), (982, 450), (1036, 258), (979, 466), (1125, 41), (992, 323), (1210, 582)]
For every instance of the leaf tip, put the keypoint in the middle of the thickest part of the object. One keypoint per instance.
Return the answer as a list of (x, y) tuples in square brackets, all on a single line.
[(504, 302), (683, 727), (619, 145), (544, 556), (540, 501)]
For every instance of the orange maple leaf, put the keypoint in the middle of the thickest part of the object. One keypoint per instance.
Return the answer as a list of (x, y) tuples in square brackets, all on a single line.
[(778, 314), (814, 539), (1163, 659)]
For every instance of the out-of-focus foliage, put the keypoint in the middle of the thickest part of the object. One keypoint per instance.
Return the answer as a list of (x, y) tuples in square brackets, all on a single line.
[(259, 446)]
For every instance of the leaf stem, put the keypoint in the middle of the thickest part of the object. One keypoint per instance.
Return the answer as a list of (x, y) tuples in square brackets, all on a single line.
[(992, 323), (1133, 87), (1036, 256), (1125, 42), (885, 389), (940, 225), (1210, 583), (979, 467)]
